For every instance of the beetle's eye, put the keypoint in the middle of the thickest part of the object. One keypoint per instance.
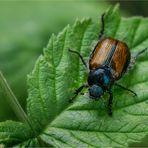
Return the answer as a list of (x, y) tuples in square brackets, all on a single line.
[(95, 91)]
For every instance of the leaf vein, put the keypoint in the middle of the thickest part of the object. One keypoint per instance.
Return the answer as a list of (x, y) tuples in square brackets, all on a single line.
[(113, 140), (100, 131)]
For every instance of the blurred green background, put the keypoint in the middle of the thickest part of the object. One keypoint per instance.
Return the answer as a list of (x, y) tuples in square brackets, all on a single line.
[(25, 28)]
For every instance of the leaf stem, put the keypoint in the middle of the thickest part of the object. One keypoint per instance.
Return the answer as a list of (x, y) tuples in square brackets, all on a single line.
[(13, 102)]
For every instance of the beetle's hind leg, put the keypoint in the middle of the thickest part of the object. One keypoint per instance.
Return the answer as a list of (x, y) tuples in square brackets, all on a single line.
[(102, 27), (110, 102), (134, 58), (140, 52)]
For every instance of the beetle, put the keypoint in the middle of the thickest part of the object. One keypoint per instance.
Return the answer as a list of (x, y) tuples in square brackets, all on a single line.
[(109, 61)]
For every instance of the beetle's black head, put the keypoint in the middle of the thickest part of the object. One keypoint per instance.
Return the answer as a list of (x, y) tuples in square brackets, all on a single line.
[(95, 91), (99, 80)]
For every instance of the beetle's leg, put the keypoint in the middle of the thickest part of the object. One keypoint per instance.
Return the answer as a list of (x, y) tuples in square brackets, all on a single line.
[(140, 52), (77, 92), (102, 27), (134, 58), (100, 34), (80, 56), (110, 102), (126, 89)]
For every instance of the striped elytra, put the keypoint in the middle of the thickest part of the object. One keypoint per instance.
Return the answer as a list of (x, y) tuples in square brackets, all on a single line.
[(112, 53)]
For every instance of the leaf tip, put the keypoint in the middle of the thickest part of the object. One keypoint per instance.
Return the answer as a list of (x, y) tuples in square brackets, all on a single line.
[(113, 9)]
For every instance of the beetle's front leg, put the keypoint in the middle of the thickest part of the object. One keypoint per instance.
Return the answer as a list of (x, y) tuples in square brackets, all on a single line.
[(80, 56), (77, 92)]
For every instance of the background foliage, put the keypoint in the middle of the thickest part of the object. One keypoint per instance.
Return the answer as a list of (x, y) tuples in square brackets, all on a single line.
[(28, 32)]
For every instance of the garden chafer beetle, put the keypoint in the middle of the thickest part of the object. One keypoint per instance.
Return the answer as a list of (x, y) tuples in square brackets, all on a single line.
[(108, 62)]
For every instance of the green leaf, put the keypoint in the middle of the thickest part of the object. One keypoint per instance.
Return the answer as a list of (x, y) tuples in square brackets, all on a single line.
[(12, 132), (85, 122)]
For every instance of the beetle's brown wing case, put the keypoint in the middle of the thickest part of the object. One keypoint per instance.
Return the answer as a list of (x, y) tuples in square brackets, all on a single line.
[(120, 60), (112, 53), (102, 53)]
